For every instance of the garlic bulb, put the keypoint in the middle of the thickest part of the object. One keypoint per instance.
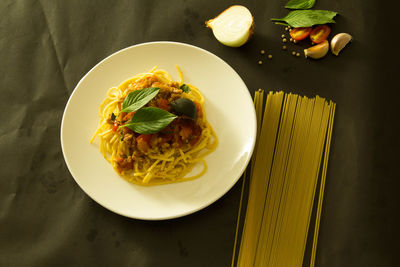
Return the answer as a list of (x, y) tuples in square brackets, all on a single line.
[(233, 27), (317, 51), (339, 42)]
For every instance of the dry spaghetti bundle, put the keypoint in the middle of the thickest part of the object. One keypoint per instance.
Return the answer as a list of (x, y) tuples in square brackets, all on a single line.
[(293, 142)]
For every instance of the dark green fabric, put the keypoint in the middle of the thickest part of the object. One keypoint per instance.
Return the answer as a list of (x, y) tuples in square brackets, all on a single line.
[(47, 46)]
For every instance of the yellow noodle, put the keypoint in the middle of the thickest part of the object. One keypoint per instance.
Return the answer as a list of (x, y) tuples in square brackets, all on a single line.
[(157, 168)]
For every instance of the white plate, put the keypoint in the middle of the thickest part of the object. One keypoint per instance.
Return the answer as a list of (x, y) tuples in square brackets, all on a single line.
[(229, 109)]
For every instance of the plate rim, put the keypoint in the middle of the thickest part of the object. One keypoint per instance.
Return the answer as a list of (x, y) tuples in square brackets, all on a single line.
[(203, 204)]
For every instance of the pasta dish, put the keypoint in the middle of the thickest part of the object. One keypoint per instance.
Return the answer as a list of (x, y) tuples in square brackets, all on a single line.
[(154, 130)]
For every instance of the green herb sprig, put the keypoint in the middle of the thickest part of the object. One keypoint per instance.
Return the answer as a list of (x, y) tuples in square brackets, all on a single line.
[(137, 99), (150, 120), (300, 4), (185, 88), (146, 120), (306, 18)]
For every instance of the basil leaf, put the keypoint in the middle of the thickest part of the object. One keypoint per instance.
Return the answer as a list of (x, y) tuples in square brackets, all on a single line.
[(307, 18), (150, 120), (137, 99), (300, 4), (185, 88), (282, 23)]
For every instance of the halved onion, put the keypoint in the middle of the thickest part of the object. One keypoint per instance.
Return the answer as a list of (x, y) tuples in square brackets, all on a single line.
[(233, 27)]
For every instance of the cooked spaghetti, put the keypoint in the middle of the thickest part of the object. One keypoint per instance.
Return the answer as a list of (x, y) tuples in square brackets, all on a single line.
[(167, 155)]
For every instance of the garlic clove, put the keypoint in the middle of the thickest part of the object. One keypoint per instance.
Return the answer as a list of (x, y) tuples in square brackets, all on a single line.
[(317, 51), (339, 41), (233, 27)]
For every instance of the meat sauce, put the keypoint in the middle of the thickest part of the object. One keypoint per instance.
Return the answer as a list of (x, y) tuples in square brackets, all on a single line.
[(182, 133)]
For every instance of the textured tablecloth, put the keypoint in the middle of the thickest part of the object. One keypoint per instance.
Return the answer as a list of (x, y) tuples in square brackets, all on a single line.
[(47, 46)]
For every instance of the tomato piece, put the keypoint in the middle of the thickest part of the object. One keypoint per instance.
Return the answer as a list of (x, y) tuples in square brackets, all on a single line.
[(199, 110), (115, 126), (196, 135), (163, 104), (143, 141), (185, 132), (179, 142), (166, 138), (128, 116), (320, 33), (300, 33), (145, 137), (125, 163), (194, 140)]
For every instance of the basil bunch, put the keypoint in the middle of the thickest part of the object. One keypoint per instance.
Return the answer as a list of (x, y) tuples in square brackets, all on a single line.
[(303, 16), (300, 4), (185, 88), (306, 18), (137, 99), (147, 120), (150, 120)]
